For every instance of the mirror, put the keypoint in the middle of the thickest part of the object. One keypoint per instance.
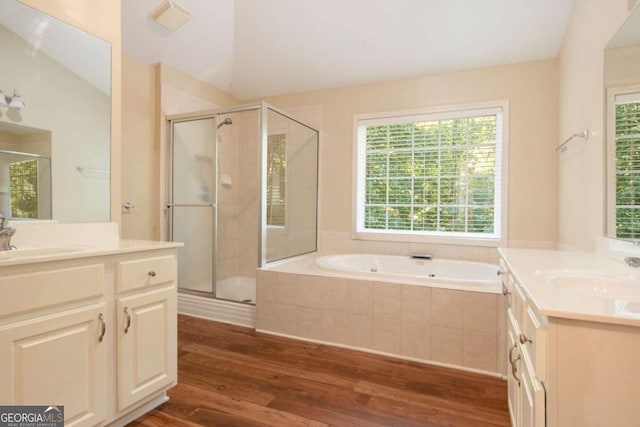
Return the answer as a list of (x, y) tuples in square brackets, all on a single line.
[(622, 124), (55, 119)]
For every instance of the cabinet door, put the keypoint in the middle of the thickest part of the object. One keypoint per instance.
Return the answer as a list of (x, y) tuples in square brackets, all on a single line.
[(533, 399), (57, 360), (513, 376), (527, 414), (147, 344)]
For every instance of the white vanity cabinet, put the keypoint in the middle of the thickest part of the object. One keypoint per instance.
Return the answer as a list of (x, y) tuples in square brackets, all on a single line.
[(573, 347), (526, 357), (96, 334)]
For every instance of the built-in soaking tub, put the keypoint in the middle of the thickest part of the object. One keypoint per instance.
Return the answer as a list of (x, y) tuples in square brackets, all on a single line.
[(435, 311), (441, 273)]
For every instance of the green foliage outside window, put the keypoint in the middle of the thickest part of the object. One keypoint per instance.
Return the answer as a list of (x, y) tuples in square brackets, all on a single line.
[(276, 179), (23, 182), (628, 170), (431, 176)]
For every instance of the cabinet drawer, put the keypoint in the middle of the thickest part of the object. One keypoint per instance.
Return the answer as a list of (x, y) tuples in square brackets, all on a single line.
[(146, 272), (534, 339), (31, 291)]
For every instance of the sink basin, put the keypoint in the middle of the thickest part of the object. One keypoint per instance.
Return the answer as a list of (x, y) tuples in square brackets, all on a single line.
[(35, 253), (591, 282), (576, 273)]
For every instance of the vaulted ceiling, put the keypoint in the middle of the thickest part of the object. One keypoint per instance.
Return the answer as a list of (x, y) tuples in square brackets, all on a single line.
[(258, 48)]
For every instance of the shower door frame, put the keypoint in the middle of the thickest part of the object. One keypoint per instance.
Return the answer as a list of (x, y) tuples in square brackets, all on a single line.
[(169, 201), (168, 205), (262, 211)]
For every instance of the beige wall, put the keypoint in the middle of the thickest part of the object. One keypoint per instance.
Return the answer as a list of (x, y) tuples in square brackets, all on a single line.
[(532, 91), (581, 106), (103, 19), (140, 152)]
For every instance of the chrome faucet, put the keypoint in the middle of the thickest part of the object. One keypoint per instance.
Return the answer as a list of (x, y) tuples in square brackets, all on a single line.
[(419, 255), (5, 235), (632, 261)]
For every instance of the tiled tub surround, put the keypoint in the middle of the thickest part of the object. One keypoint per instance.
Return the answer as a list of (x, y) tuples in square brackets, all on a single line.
[(430, 324), (343, 242)]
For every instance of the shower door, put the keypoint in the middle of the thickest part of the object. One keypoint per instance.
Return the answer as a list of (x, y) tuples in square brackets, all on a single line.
[(214, 203), (192, 202)]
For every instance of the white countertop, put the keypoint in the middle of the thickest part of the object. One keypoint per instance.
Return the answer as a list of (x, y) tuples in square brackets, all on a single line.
[(55, 242), (592, 287), (31, 255)]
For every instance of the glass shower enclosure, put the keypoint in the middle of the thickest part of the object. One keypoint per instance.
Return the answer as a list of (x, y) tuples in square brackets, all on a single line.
[(243, 191)]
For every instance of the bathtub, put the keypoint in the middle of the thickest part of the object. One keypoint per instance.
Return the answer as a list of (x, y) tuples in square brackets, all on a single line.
[(441, 273), (439, 311)]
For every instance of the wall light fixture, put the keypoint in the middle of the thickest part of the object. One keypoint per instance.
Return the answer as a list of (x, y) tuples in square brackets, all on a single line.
[(14, 102)]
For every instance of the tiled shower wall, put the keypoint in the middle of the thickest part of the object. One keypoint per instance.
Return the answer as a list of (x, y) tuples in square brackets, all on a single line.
[(430, 324)]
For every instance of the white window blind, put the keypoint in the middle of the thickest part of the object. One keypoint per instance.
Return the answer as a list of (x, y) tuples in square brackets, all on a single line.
[(434, 174), (627, 165)]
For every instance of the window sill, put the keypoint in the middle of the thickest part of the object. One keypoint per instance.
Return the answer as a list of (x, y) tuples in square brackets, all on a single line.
[(428, 239)]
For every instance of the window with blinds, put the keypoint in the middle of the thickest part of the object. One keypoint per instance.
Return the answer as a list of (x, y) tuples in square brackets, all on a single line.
[(627, 166), (276, 179), (23, 188), (436, 174)]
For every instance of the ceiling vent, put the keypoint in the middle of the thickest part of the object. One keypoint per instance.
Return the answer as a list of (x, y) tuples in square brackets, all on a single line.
[(170, 15)]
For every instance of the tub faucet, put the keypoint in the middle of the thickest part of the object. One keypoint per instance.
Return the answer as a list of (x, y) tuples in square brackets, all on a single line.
[(632, 261), (417, 255), (5, 235)]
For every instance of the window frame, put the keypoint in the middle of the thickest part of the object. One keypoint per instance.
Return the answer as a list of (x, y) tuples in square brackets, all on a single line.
[(433, 113)]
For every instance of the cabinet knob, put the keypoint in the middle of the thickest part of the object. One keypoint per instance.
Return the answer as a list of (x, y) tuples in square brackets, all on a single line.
[(524, 339), (505, 291), (152, 273), (499, 272)]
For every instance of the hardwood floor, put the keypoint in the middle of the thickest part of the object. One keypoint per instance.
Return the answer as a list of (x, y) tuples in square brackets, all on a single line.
[(232, 376)]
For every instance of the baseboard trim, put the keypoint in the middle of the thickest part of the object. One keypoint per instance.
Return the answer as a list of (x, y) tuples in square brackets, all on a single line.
[(218, 310)]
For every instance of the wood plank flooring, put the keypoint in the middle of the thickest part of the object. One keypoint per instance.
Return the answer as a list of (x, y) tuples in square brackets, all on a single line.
[(232, 376)]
